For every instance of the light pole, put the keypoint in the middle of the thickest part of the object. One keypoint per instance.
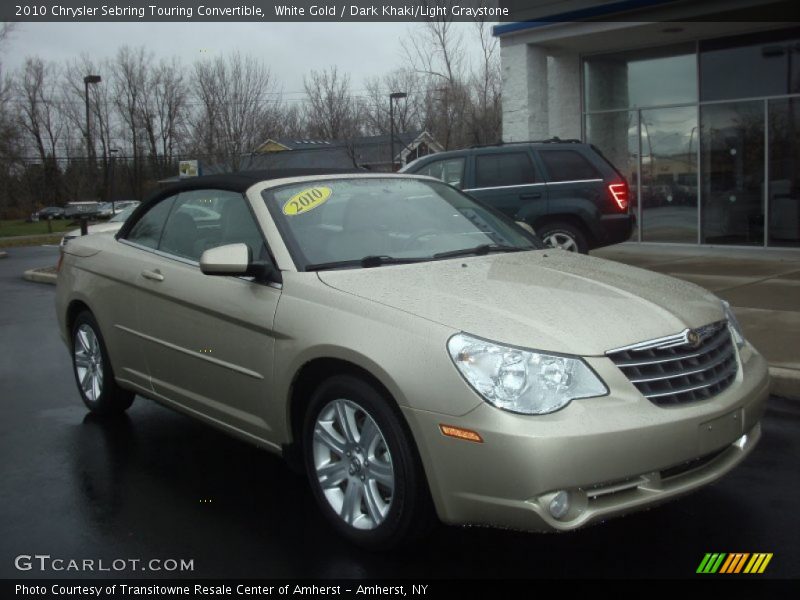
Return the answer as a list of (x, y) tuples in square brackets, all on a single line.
[(113, 153), (392, 97), (89, 145)]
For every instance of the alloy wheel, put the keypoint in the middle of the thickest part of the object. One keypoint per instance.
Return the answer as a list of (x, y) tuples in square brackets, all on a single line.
[(559, 239), (353, 464), (88, 362)]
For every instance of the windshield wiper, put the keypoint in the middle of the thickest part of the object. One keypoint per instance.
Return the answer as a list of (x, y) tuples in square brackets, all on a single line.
[(364, 263), (481, 250)]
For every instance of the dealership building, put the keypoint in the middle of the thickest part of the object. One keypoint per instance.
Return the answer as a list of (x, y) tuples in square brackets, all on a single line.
[(697, 103)]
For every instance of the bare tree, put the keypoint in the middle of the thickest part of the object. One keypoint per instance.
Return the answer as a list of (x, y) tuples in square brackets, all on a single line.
[(39, 106), (6, 29), (162, 111), (435, 50), (239, 107), (486, 113), (332, 113), (41, 121), (291, 122), (129, 88), (80, 181), (406, 113), (9, 133)]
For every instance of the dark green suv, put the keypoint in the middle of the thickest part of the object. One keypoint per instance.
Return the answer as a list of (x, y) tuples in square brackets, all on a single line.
[(566, 190)]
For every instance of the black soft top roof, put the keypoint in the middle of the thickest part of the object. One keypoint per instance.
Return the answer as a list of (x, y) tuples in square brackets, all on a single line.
[(235, 182), (241, 180)]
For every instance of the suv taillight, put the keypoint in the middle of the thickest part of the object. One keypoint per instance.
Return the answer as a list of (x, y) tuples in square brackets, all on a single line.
[(619, 194)]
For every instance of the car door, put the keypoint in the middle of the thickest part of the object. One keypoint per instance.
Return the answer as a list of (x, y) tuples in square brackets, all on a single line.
[(509, 181), (208, 340)]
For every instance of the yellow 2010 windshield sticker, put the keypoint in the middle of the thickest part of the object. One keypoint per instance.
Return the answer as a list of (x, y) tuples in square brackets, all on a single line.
[(306, 200)]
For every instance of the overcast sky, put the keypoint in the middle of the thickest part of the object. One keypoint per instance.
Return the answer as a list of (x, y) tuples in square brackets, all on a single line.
[(290, 49)]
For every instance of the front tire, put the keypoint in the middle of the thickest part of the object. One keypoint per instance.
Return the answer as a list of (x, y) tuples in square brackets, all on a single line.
[(362, 466), (92, 368)]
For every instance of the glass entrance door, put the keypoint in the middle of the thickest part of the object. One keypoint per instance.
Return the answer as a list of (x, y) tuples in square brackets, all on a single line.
[(669, 146)]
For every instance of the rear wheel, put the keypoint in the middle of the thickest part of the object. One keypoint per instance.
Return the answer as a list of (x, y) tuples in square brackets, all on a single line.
[(362, 466), (92, 368), (563, 236)]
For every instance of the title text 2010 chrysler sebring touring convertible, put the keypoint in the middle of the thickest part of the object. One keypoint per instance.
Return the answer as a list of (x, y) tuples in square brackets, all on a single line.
[(417, 351)]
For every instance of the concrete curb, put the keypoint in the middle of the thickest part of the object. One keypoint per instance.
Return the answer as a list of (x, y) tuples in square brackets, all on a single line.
[(785, 382), (40, 276)]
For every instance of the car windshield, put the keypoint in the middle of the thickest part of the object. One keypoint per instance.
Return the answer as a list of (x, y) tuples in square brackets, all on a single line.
[(121, 216), (341, 223)]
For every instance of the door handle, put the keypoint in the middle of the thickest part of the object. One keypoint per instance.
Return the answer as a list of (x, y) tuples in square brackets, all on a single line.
[(530, 196), (154, 275)]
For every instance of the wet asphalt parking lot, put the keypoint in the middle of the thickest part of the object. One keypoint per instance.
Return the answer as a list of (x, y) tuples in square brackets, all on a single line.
[(155, 484)]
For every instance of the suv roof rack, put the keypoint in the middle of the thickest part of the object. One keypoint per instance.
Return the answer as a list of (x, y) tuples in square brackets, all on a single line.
[(552, 140)]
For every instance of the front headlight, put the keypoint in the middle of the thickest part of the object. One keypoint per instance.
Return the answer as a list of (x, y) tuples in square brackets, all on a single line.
[(522, 381), (733, 323)]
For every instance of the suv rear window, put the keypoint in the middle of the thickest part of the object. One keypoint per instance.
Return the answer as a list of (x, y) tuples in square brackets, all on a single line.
[(568, 165), (503, 168), (450, 171)]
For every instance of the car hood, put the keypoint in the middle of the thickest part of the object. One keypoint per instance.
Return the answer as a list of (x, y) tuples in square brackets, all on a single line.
[(548, 299)]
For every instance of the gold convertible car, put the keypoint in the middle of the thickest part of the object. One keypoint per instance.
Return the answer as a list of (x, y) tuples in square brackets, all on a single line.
[(417, 352)]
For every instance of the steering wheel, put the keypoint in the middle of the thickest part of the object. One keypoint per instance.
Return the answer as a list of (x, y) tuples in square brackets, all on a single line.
[(415, 238)]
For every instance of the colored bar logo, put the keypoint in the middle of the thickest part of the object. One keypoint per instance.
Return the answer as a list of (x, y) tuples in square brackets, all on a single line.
[(735, 562)]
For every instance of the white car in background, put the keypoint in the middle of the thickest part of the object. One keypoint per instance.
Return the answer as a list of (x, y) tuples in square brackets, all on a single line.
[(111, 209), (113, 225)]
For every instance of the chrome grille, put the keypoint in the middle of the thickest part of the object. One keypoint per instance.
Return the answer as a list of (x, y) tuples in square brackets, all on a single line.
[(673, 370)]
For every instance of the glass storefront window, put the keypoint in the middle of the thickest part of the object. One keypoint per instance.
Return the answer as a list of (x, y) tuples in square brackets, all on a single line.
[(763, 64), (643, 110), (669, 174), (648, 77), (784, 172), (732, 172)]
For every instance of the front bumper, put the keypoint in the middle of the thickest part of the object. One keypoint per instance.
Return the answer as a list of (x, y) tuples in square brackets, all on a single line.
[(613, 455)]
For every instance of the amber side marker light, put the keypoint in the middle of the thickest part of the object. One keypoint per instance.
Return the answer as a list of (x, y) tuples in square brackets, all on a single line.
[(461, 434)]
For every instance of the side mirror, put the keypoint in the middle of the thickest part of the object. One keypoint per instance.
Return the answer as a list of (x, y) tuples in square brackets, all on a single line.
[(233, 259), (526, 227)]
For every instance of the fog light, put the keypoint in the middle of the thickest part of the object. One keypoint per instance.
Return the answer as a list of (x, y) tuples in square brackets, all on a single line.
[(559, 505), (741, 442)]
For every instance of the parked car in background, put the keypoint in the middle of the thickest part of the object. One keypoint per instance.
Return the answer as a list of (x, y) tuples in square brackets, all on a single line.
[(565, 190), (76, 210), (113, 225), (415, 350), (104, 211), (108, 209), (50, 212)]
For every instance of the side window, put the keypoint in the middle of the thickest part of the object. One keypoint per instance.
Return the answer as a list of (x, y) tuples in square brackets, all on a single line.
[(450, 171), (567, 165), (147, 230), (503, 168), (203, 219)]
